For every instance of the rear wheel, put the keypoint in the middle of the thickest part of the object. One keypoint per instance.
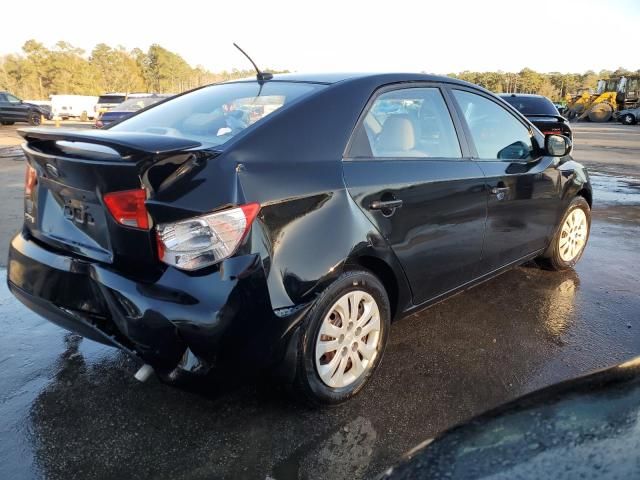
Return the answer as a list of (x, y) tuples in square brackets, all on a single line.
[(343, 339), (628, 119), (570, 240)]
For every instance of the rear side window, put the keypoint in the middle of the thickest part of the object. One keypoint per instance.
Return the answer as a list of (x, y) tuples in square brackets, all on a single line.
[(495, 132), (411, 122), (215, 114), (532, 105)]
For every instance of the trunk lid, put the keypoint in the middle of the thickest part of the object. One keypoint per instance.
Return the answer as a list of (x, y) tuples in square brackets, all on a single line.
[(75, 169)]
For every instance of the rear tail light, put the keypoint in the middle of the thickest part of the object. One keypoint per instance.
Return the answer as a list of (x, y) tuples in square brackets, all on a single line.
[(30, 180), (127, 208), (202, 241)]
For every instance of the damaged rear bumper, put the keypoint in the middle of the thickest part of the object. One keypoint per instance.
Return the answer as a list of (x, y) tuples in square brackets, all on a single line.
[(184, 320)]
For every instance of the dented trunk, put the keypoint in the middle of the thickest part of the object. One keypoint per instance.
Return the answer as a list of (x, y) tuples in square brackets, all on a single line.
[(65, 207)]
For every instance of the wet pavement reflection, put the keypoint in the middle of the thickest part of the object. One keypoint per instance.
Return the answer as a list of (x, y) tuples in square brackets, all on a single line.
[(70, 408)]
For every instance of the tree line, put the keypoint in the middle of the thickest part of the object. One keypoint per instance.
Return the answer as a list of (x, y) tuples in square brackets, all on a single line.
[(40, 71), (554, 85)]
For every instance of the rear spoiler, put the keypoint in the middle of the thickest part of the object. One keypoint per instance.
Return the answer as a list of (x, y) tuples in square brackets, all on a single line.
[(124, 143), (541, 115)]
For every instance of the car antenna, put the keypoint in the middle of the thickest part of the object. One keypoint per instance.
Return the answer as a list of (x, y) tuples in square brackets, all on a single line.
[(261, 76)]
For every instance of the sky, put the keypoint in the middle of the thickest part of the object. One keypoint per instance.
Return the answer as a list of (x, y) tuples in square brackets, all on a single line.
[(346, 36)]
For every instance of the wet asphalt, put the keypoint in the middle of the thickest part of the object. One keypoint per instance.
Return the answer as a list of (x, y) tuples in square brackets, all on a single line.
[(70, 408)]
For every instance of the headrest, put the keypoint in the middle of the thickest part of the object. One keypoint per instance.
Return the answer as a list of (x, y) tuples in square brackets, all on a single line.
[(397, 134)]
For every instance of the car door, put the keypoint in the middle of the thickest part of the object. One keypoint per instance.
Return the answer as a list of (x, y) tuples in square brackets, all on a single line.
[(523, 183), (18, 111), (411, 174)]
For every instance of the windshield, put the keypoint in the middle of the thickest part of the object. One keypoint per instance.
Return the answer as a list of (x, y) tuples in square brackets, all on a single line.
[(532, 105), (217, 113)]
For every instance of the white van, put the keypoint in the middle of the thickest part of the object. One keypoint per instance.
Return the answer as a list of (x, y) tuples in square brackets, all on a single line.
[(73, 106)]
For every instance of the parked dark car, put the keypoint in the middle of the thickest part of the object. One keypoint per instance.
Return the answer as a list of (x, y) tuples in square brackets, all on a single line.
[(13, 110), (126, 109), (541, 112), (628, 116), (108, 101), (584, 428), (285, 223)]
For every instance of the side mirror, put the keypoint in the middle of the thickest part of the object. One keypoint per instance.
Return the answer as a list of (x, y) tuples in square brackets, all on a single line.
[(557, 145)]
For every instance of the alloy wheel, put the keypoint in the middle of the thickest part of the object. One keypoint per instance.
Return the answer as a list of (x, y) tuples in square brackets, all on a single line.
[(573, 235), (348, 340)]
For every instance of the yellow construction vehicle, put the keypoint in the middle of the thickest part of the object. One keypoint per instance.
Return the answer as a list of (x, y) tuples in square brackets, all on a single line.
[(611, 95), (578, 102)]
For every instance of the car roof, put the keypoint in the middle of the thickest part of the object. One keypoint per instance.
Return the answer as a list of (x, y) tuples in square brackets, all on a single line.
[(381, 78), (532, 95)]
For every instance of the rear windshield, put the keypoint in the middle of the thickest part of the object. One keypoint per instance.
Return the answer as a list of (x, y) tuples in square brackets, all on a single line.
[(215, 114), (111, 99), (532, 105)]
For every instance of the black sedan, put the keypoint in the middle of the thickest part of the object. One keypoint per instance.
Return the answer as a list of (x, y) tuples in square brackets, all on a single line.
[(283, 224), (541, 112), (13, 110)]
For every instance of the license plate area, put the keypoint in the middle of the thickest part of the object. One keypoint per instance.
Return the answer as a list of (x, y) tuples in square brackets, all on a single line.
[(72, 217)]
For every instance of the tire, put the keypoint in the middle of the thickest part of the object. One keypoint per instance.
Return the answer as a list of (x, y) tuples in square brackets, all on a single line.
[(312, 385), (34, 119), (628, 119), (601, 112), (7, 123), (559, 254)]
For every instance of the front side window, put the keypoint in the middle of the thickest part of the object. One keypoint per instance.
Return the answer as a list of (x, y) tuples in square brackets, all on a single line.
[(12, 99), (215, 114), (412, 122), (495, 132)]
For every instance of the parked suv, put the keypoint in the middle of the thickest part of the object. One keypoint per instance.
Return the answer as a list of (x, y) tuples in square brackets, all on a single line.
[(13, 110), (283, 224)]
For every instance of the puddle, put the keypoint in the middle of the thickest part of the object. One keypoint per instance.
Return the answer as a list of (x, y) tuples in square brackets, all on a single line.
[(13, 153), (615, 189)]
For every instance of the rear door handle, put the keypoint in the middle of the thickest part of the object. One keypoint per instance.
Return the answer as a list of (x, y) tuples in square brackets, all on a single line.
[(385, 204)]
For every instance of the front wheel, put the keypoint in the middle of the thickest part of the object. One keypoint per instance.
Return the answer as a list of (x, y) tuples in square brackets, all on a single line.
[(570, 240), (343, 339), (35, 119)]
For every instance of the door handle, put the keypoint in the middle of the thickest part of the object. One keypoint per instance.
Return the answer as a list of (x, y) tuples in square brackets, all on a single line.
[(385, 204)]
